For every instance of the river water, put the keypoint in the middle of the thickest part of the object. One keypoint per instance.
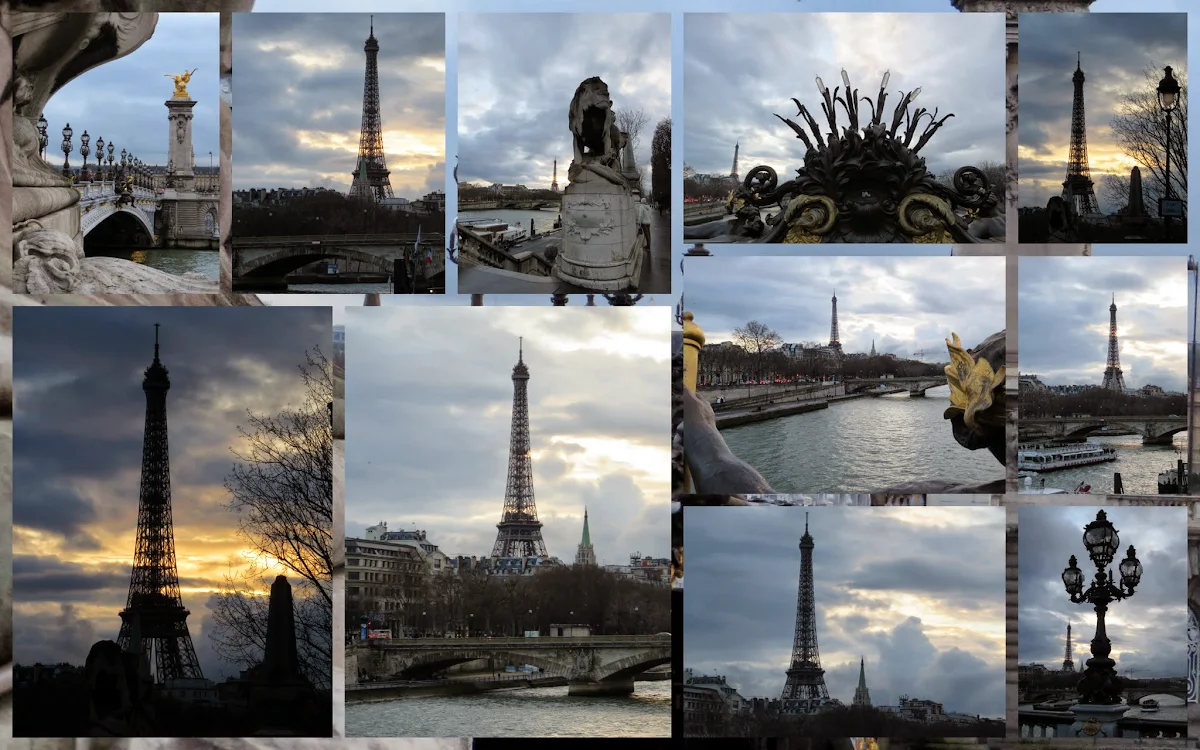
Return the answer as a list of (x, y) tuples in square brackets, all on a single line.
[(532, 712), (861, 445), (384, 287), (173, 261), (543, 220), (1138, 465)]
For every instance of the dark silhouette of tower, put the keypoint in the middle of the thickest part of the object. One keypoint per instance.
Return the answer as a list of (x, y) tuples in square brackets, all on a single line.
[(520, 532), (1068, 662), (554, 182), (154, 610), (805, 691), (861, 696), (733, 173), (834, 342), (1113, 379), (1078, 189), (371, 172)]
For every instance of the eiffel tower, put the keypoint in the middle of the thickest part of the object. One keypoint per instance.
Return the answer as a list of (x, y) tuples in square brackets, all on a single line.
[(834, 341), (154, 612), (1078, 189), (519, 531), (1068, 662), (733, 173), (1113, 379), (805, 691), (370, 171)]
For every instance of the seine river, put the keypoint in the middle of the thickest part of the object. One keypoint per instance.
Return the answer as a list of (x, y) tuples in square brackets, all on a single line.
[(532, 712), (543, 220), (173, 261), (861, 445), (1138, 465)]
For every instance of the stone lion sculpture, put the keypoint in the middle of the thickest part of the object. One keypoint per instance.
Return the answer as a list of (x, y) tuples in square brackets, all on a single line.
[(593, 124)]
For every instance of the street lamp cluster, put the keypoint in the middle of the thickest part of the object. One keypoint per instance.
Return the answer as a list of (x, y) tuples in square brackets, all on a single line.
[(1100, 684), (129, 166)]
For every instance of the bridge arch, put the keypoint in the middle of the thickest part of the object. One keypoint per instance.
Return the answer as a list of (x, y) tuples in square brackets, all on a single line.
[(123, 227), (623, 669), (282, 262), (1163, 436), (426, 664)]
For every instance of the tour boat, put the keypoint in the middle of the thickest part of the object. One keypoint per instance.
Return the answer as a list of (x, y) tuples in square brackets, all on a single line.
[(1052, 457), (496, 231), (1170, 482), (1149, 705)]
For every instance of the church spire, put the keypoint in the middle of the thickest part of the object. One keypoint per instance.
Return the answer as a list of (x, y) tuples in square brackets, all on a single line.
[(585, 555), (861, 696)]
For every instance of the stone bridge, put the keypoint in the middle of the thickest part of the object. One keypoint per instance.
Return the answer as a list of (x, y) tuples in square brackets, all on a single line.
[(594, 665), (502, 204), (99, 202), (1154, 430), (265, 262), (915, 386)]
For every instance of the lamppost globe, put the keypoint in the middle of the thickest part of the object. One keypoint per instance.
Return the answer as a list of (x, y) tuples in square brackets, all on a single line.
[(1101, 540), (1072, 577), (43, 139), (1168, 90), (1131, 570), (100, 156), (66, 149)]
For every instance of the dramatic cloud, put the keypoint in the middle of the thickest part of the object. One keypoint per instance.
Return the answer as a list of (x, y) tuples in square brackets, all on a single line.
[(918, 592), (429, 410), (123, 101), (517, 74), (1147, 631), (739, 70), (77, 455), (299, 88), (904, 305), (1064, 319), (1115, 51)]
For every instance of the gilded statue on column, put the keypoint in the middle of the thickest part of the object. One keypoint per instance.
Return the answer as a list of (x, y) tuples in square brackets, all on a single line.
[(181, 82)]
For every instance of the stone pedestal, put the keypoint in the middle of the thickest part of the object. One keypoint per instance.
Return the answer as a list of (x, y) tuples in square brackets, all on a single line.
[(1095, 721), (180, 158), (602, 245)]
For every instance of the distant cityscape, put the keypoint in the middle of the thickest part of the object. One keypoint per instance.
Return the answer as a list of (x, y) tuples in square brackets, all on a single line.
[(431, 203)]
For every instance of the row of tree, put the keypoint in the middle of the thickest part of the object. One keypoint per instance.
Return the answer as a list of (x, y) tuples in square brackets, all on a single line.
[(1040, 403), (839, 721), (472, 602), (756, 356), (328, 212)]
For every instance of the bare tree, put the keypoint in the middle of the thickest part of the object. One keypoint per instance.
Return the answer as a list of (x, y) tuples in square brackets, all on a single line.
[(757, 339), (282, 490), (1115, 189), (633, 122), (1141, 130), (660, 164)]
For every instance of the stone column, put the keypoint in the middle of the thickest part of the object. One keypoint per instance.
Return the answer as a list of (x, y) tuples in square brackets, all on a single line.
[(179, 143), (1011, 8)]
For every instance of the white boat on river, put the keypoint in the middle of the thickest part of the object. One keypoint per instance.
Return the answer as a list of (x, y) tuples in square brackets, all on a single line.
[(1050, 457)]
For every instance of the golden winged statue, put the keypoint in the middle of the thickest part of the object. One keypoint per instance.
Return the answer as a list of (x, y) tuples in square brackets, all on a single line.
[(181, 82)]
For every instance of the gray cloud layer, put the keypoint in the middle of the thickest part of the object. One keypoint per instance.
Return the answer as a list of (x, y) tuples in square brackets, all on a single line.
[(918, 591), (1148, 632), (741, 69), (299, 86), (903, 304), (517, 74), (429, 403), (1064, 319)]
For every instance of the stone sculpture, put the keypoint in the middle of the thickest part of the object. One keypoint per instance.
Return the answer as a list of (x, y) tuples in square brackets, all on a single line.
[(50, 50), (860, 183), (602, 245), (181, 82)]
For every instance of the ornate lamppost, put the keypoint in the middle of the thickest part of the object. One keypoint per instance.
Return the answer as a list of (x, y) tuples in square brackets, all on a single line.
[(84, 151), (1100, 688), (66, 149), (124, 162), (111, 147), (43, 139), (100, 159), (1168, 100)]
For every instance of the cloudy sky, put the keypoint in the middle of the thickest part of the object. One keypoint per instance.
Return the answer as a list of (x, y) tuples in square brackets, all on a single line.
[(904, 304), (923, 601), (123, 101), (78, 428), (732, 89), (429, 410), (1147, 631), (1116, 49), (299, 89), (1063, 312), (517, 73)]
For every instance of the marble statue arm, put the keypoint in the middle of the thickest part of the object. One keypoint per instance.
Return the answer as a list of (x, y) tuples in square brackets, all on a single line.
[(714, 468)]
